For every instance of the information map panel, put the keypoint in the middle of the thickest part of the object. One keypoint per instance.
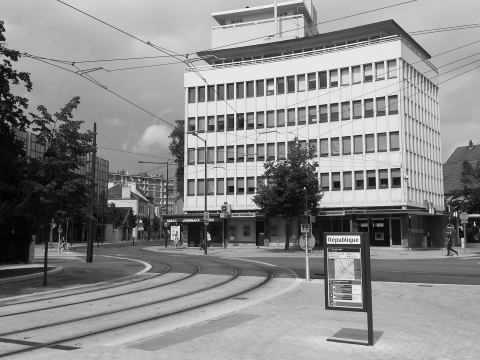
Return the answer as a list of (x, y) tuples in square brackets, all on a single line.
[(344, 274)]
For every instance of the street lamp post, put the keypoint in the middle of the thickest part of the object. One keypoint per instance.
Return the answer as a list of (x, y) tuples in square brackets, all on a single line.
[(204, 190), (307, 266), (161, 163)]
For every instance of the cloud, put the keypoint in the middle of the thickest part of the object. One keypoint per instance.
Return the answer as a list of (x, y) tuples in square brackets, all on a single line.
[(154, 139), (115, 121)]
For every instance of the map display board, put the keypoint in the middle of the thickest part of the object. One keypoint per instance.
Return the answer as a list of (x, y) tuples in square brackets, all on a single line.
[(344, 266)]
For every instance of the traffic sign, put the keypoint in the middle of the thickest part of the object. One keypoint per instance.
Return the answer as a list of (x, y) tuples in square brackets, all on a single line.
[(449, 227), (206, 216), (140, 228), (464, 216), (311, 241), (305, 228), (60, 230)]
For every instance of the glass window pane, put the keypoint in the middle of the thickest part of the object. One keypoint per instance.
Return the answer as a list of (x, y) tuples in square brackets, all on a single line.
[(367, 73), (250, 152), (201, 123), (396, 179), (230, 122), (281, 117), (335, 146), (371, 180), (393, 104), (380, 106), (220, 186), (333, 112), (200, 155), (230, 153), (250, 185), (323, 109), (280, 85), (302, 116), (290, 84), (347, 180), (201, 94), (240, 121), (260, 120), (210, 187), (346, 145), (357, 109), (356, 75), (324, 147), (220, 123), (345, 110), (211, 93), (368, 103), (270, 151), (312, 114), (394, 141), (291, 117), (382, 141), (191, 156), (201, 187), (359, 182), (345, 76), (210, 155), (369, 143), (380, 71), (230, 186), (335, 181), (240, 90), (260, 87), (220, 154), (191, 95), (250, 120), (190, 187), (230, 91), (240, 185), (333, 78), (220, 92), (312, 81), (312, 144), (250, 91), (240, 153), (270, 87), (325, 181), (191, 124), (211, 123), (270, 119), (281, 151), (260, 152), (392, 69), (358, 144), (301, 82), (322, 79), (383, 179)]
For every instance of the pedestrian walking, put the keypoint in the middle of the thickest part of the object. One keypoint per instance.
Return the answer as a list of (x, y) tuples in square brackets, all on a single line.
[(449, 245)]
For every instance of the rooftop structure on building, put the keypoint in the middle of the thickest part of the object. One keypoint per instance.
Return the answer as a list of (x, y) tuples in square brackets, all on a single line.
[(365, 98)]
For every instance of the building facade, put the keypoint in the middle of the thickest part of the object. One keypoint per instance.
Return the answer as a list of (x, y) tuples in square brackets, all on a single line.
[(365, 98)]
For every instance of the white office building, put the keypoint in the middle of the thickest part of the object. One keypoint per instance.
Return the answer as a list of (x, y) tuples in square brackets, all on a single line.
[(366, 98)]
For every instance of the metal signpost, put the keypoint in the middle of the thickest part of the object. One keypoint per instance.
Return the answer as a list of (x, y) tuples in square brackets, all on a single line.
[(347, 278), (464, 217)]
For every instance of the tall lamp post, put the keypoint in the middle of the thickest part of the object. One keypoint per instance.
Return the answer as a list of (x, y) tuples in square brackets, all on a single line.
[(204, 190), (160, 163)]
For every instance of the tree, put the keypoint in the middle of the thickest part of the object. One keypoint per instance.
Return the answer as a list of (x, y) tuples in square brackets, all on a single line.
[(177, 149), (115, 216), (467, 198), (282, 195)]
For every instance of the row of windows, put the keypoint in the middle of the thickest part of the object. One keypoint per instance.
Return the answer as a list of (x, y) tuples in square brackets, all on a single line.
[(296, 116), (358, 144), (347, 180), (294, 83)]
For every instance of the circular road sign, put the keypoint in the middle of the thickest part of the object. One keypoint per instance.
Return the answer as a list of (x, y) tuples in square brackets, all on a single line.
[(464, 216), (449, 227), (311, 241)]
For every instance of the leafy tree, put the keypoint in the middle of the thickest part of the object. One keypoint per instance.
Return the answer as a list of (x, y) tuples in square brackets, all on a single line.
[(131, 221), (156, 224), (115, 216), (282, 195), (177, 149), (467, 198)]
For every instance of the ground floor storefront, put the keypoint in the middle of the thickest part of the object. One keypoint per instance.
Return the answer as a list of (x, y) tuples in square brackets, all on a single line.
[(398, 228)]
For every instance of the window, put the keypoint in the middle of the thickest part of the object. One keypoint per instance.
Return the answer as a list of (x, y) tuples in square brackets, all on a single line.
[(356, 75), (201, 94), (260, 87), (260, 152), (191, 95), (230, 186), (191, 156), (379, 71), (346, 145), (347, 180), (392, 69), (325, 181), (335, 141), (230, 122), (281, 151), (240, 153), (281, 117), (312, 81), (333, 112), (270, 119), (393, 104), (312, 144), (201, 156), (369, 143), (201, 187), (191, 124), (367, 73), (357, 109), (290, 117), (333, 78), (336, 181), (358, 144), (220, 154), (323, 109), (301, 82), (240, 121), (260, 181), (323, 147), (260, 120), (190, 187), (394, 141), (302, 116), (211, 123), (396, 180), (250, 185), (250, 152), (201, 123), (383, 179), (382, 142), (312, 114), (368, 103), (345, 77), (270, 151), (230, 153), (250, 120), (220, 186), (322, 79), (359, 181), (381, 106), (220, 92), (230, 91), (220, 123), (240, 90), (240, 186), (371, 181), (211, 155), (250, 89), (290, 84), (280, 85), (346, 110), (270, 87), (211, 93)]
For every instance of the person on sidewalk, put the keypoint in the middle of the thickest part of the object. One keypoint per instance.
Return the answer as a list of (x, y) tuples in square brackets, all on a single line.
[(209, 240), (449, 245)]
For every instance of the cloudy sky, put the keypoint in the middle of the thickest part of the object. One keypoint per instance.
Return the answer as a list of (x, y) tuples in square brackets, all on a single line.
[(53, 30)]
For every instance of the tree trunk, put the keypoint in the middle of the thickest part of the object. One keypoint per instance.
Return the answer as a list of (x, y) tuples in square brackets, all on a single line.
[(288, 232)]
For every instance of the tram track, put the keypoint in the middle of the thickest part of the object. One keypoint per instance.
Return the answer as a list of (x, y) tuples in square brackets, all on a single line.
[(185, 302)]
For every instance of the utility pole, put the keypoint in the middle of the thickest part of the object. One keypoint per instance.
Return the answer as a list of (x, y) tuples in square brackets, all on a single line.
[(90, 231)]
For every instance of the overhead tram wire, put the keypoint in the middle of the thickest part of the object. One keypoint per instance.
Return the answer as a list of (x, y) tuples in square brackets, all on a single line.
[(135, 153)]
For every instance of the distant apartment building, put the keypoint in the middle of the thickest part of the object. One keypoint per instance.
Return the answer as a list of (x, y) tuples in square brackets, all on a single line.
[(452, 169), (365, 98)]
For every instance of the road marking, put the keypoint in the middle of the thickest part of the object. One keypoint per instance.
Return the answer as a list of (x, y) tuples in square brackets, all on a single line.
[(264, 263)]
